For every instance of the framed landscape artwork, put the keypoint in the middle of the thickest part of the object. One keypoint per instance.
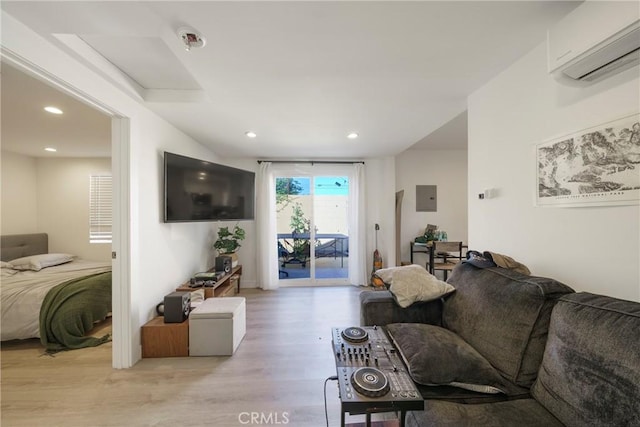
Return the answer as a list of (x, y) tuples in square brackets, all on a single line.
[(598, 166)]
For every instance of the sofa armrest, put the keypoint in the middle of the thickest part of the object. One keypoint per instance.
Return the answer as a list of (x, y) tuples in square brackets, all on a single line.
[(380, 308)]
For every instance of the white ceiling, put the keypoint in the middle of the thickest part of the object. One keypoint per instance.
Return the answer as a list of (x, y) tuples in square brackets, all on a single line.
[(302, 75), (80, 131)]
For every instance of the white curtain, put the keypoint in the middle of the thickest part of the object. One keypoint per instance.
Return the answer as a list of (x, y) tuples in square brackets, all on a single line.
[(357, 227), (267, 243)]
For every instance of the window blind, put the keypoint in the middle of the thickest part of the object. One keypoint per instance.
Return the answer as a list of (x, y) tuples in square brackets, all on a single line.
[(100, 207)]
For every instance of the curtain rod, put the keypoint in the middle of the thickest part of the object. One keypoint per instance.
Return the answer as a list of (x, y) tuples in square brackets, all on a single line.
[(315, 161)]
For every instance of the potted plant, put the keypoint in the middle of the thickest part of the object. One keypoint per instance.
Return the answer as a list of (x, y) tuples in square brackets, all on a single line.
[(228, 241)]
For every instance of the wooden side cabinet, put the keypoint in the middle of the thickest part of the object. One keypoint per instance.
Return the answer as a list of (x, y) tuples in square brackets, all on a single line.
[(161, 339)]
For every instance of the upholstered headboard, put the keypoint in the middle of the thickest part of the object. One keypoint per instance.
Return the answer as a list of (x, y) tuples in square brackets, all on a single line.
[(19, 245)]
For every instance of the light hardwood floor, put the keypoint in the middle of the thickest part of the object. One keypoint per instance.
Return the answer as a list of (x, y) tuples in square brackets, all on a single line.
[(278, 372)]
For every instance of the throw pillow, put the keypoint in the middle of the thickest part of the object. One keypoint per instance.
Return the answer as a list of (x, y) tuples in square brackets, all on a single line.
[(412, 283), (437, 356), (38, 262)]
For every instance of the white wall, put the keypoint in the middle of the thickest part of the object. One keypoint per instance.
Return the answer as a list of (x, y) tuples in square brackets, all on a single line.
[(380, 178), (164, 255), (41, 195), (447, 169), (19, 201), (593, 249), (63, 204), (247, 252), (330, 213)]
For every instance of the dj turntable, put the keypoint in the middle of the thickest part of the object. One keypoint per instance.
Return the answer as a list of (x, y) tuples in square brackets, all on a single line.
[(371, 374)]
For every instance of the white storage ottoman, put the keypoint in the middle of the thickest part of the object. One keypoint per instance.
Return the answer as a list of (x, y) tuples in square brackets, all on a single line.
[(217, 326)]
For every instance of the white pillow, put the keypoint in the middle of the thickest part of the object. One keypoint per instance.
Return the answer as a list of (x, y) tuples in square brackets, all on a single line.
[(38, 262), (411, 283), (4, 264)]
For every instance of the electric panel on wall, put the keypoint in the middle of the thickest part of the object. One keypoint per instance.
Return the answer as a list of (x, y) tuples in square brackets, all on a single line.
[(426, 198)]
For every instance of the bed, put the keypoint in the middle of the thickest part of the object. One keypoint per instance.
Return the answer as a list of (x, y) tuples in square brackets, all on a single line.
[(55, 297)]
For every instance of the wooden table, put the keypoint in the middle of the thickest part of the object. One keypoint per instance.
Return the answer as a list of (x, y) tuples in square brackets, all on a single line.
[(426, 248), (423, 248), (221, 288), (335, 236)]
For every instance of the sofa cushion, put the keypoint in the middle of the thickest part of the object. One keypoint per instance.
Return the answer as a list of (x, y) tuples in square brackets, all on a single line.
[(436, 356), (504, 315), (412, 283), (590, 373), (380, 308), (521, 413), (460, 395)]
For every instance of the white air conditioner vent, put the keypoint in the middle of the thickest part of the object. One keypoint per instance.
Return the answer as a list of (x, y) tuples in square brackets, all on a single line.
[(594, 40)]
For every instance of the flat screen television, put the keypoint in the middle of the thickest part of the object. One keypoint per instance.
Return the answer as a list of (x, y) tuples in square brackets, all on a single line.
[(198, 190)]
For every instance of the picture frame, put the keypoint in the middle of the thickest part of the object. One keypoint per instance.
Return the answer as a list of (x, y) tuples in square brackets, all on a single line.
[(597, 166)]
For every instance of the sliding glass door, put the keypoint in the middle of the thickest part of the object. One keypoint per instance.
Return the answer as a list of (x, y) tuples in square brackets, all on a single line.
[(293, 224), (330, 205), (312, 227)]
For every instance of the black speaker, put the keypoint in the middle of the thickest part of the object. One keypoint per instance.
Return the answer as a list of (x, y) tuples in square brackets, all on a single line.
[(176, 307), (223, 263)]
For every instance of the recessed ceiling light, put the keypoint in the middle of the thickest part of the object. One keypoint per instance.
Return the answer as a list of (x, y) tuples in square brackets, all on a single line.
[(53, 110), (251, 134), (50, 149), (352, 135)]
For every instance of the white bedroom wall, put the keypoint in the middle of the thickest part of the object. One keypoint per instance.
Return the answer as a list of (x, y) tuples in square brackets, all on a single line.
[(63, 204), (448, 170), (19, 202), (595, 249)]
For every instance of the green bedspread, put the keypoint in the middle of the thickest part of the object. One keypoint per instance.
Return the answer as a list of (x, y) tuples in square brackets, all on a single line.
[(70, 309)]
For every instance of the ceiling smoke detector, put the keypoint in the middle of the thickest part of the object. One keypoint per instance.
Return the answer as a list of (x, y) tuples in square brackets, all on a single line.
[(191, 38)]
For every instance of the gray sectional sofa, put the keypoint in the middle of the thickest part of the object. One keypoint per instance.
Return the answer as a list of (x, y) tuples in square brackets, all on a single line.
[(506, 349)]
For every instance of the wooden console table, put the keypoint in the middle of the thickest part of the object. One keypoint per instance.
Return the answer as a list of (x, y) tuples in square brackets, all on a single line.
[(161, 339), (222, 288)]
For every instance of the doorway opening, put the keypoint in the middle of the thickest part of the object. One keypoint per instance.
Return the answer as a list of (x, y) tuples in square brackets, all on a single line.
[(118, 253)]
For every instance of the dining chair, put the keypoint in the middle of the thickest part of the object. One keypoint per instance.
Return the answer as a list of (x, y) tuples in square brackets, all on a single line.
[(446, 255)]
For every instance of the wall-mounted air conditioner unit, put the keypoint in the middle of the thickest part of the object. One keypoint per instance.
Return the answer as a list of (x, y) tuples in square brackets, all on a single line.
[(597, 38)]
